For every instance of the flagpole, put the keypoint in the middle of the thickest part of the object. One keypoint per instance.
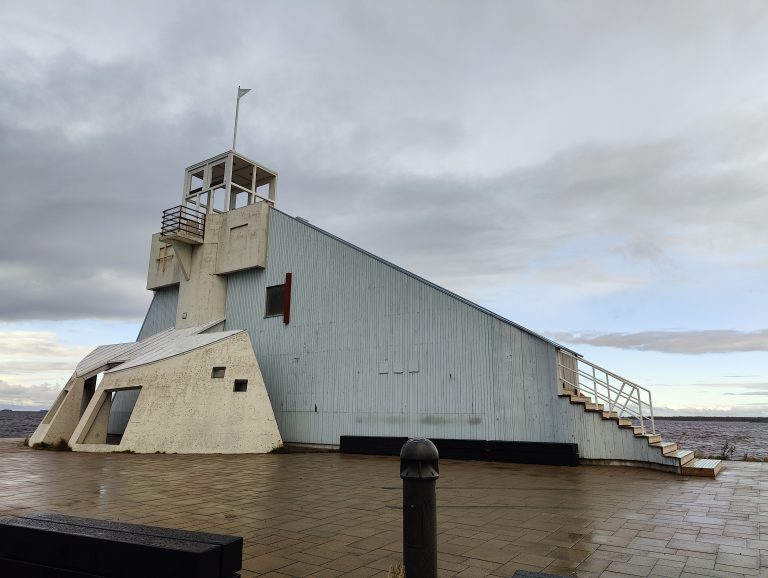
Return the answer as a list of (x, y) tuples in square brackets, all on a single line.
[(237, 112)]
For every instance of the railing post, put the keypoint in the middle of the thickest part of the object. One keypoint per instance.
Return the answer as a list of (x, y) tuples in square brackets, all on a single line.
[(594, 385), (576, 380)]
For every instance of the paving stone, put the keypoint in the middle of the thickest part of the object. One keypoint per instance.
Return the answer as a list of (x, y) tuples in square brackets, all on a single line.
[(339, 515)]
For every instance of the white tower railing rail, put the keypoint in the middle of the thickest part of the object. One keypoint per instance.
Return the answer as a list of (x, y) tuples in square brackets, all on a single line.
[(615, 393)]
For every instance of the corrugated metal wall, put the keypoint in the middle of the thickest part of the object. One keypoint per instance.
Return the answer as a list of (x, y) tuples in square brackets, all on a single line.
[(120, 410), (371, 350), (161, 313), (601, 439)]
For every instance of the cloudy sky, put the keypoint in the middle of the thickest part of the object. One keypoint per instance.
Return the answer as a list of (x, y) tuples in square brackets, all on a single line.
[(596, 171)]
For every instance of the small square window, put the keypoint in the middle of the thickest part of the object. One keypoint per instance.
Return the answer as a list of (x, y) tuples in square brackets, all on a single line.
[(275, 300), (218, 372), (241, 385)]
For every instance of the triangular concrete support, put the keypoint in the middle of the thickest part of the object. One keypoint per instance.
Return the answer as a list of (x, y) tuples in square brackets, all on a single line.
[(184, 253)]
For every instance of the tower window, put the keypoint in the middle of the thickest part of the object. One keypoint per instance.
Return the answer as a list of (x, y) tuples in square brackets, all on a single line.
[(240, 385), (218, 372), (275, 300), (278, 300)]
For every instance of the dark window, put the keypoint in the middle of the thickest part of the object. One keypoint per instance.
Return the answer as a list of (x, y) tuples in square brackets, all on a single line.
[(241, 385), (275, 300), (218, 372)]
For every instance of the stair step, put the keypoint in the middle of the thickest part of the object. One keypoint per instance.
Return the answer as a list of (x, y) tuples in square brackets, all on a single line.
[(702, 467), (652, 438), (666, 447), (595, 406), (580, 399), (625, 422), (611, 415), (685, 456)]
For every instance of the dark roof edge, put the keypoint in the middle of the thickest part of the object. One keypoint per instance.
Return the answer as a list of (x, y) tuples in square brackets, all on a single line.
[(427, 282)]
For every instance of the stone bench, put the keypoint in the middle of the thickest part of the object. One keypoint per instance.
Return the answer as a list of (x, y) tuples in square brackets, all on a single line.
[(58, 546)]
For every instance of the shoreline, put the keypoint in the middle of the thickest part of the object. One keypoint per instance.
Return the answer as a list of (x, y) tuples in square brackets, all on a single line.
[(723, 418), (747, 419)]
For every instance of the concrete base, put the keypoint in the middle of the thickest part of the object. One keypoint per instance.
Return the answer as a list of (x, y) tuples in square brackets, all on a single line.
[(632, 464), (184, 407), (62, 418), (198, 392)]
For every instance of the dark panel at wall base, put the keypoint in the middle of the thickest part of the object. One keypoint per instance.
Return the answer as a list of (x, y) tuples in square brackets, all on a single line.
[(371, 445), (546, 453)]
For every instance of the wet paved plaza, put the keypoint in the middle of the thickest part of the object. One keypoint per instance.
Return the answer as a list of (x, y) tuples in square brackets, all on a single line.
[(339, 515)]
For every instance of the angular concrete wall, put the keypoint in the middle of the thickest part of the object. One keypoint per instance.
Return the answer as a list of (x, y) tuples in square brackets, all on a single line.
[(181, 408), (61, 420), (242, 238), (163, 267)]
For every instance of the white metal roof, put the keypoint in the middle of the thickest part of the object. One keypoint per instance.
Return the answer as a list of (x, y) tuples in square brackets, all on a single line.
[(174, 345), (168, 343)]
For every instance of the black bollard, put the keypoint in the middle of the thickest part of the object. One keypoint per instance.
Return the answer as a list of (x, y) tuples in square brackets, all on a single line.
[(419, 471)]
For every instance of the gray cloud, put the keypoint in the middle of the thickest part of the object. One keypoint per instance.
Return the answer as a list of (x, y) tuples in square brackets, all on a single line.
[(20, 367), (40, 292), (31, 397), (748, 393), (755, 410), (501, 155), (692, 342), (34, 366), (43, 346)]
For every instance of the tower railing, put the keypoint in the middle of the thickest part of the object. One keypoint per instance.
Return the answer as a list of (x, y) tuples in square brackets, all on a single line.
[(183, 220), (615, 393)]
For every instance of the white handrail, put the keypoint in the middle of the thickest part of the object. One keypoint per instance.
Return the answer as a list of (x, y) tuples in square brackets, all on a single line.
[(628, 401)]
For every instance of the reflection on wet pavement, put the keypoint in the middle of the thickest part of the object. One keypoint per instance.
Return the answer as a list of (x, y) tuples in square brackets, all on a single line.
[(327, 514)]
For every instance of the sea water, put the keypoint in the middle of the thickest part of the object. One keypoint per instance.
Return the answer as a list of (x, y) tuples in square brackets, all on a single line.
[(708, 437), (19, 424)]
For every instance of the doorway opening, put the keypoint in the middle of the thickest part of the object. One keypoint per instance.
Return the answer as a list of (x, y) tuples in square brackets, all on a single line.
[(121, 407)]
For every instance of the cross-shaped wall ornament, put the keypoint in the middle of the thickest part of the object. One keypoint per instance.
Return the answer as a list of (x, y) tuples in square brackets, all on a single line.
[(164, 257)]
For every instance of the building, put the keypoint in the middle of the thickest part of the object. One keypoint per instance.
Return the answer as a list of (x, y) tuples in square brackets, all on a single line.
[(327, 340)]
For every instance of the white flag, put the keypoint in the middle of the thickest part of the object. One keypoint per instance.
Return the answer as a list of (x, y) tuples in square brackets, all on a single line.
[(241, 92)]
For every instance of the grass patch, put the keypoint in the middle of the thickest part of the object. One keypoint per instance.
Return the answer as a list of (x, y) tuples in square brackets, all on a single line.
[(396, 571), (748, 458), (743, 458), (727, 451), (59, 446)]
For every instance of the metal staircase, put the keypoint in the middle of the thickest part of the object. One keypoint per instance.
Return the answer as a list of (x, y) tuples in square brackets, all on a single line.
[(628, 404)]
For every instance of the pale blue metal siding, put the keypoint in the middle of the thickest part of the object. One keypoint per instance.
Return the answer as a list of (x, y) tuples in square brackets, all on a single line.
[(373, 350), (161, 313)]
